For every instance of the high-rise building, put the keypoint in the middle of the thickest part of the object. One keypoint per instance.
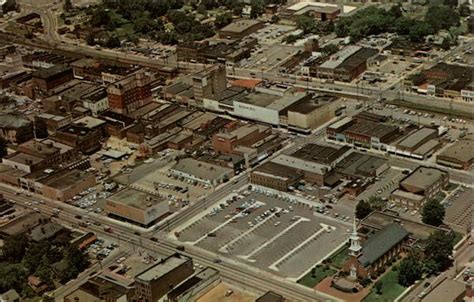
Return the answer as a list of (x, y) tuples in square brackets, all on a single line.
[(130, 93), (209, 82)]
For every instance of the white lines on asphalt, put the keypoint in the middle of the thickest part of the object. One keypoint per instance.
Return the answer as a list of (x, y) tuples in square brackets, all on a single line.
[(324, 228), (248, 256), (224, 249)]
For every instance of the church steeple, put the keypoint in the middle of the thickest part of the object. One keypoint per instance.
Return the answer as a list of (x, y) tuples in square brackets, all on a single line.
[(355, 248)]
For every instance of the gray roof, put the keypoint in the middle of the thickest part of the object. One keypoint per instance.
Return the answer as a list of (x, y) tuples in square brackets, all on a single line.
[(414, 138), (162, 268), (380, 243), (240, 26), (422, 177), (13, 121), (201, 169), (340, 56)]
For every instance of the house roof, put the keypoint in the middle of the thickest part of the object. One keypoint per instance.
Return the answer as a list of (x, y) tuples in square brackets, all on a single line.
[(380, 243)]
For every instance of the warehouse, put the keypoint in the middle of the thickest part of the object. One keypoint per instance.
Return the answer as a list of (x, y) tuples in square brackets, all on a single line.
[(358, 165), (313, 172), (201, 172), (460, 155), (265, 107), (307, 115), (275, 176), (239, 29), (322, 154)]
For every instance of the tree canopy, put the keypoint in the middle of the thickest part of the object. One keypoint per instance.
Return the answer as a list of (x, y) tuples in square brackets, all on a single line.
[(441, 17), (363, 209), (433, 212), (410, 270), (439, 249)]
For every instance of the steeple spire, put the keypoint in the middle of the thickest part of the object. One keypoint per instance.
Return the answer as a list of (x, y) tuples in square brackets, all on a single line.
[(355, 247)]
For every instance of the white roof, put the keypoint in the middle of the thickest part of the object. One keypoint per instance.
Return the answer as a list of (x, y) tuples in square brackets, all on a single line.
[(303, 4), (340, 56)]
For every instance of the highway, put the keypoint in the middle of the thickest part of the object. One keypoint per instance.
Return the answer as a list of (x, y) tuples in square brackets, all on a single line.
[(237, 273)]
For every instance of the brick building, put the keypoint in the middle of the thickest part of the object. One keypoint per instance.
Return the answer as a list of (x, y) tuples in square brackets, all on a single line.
[(157, 281), (275, 176), (367, 259), (47, 79), (239, 29), (81, 138), (130, 93), (15, 128)]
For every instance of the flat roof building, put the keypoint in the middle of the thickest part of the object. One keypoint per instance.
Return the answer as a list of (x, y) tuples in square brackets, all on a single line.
[(239, 29), (459, 155), (202, 172), (158, 280), (136, 206)]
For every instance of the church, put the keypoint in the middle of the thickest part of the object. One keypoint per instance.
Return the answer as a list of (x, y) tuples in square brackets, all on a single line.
[(366, 258)]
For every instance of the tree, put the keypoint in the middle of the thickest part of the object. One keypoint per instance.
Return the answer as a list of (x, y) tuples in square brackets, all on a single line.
[(363, 209), (14, 248), (113, 42), (376, 203), (446, 44), (12, 275), (439, 248), (419, 30), (257, 8), (67, 5), (396, 10), (433, 212), (464, 10), (223, 20), (330, 49), (441, 17), (410, 270), (3, 147), (307, 24), (378, 287)]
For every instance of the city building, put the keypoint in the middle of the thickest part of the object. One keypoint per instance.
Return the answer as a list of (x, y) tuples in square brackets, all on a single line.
[(23, 162), (362, 133), (239, 29), (201, 172), (313, 172), (323, 154), (459, 155), (209, 82), (136, 206), (53, 121), (46, 79), (15, 128), (79, 137), (93, 290), (10, 296), (420, 186), (58, 185), (418, 144), (130, 93), (275, 176), (318, 10), (358, 165), (306, 115), (368, 258), (155, 282), (195, 286), (233, 136), (50, 152), (270, 297), (450, 290), (347, 64)]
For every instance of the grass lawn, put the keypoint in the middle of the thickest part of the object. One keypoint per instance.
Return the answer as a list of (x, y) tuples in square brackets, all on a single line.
[(390, 289), (319, 275), (337, 259)]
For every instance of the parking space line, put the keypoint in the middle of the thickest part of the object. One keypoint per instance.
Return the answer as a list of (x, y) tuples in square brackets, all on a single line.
[(247, 257), (224, 248), (274, 265), (219, 226)]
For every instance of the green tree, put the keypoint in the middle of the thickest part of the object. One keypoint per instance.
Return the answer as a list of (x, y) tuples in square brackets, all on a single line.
[(439, 248), (419, 30), (464, 10), (376, 203), (257, 8), (378, 287), (396, 10), (3, 147), (329, 49), (67, 5), (410, 270), (363, 209), (14, 248), (12, 275), (113, 42), (433, 212), (223, 20), (307, 24), (441, 17)]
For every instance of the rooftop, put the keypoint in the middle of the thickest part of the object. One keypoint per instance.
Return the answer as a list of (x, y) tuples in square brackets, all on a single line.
[(381, 242), (413, 139), (462, 150), (163, 268), (201, 169), (272, 101), (240, 25), (371, 129), (135, 198), (335, 60), (447, 290), (65, 179), (422, 177), (46, 73), (24, 159), (320, 153), (13, 121), (39, 147), (276, 170), (300, 164), (89, 122)]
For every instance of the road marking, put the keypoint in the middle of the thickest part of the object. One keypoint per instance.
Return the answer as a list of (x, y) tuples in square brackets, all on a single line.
[(274, 265), (224, 249), (247, 257)]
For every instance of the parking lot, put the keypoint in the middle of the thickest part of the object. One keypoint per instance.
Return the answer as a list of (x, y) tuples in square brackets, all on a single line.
[(272, 34), (386, 183), (459, 208), (272, 231)]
